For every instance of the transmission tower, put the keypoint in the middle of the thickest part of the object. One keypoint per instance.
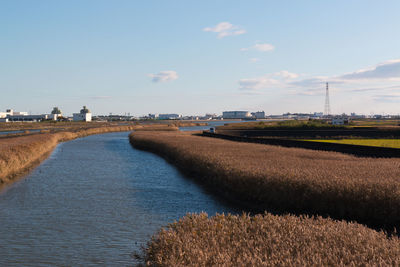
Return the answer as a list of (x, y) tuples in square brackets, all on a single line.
[(327, 111)]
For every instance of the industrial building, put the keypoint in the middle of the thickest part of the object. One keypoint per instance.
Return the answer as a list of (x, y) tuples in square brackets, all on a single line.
[(169, 116), (340, 120), (236, 115), (258, 114), (55, 114), (11, 115), (83, 115)]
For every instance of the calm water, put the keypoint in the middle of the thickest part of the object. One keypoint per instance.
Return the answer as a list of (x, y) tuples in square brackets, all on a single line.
[(94, 202), (18, 131)]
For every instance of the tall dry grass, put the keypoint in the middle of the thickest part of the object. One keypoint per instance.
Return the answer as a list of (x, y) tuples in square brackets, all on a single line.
[(297, 180), (20, 154), (268, 240)]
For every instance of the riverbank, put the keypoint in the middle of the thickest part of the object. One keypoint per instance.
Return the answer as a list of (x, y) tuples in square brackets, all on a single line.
[(281, 179), (284, 180), (19, 155), (268, 240)]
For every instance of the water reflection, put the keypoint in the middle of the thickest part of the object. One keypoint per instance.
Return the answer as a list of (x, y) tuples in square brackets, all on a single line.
[(94, 202)]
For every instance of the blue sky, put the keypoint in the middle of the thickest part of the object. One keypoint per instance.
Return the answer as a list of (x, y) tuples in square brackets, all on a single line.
[(193, 57)]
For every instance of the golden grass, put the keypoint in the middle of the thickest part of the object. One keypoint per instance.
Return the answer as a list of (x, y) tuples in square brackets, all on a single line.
[(268, 240), (21, 153), (287, 179), (393, 143)]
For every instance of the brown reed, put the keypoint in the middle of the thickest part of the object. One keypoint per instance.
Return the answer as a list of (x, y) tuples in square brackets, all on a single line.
[(268, 240), (296, 180), (20, 154)]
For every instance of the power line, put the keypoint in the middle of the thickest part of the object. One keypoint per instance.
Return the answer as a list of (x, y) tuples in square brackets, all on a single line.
[(327, 111)]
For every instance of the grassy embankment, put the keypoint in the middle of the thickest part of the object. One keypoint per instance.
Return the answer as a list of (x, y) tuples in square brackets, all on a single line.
[(268, 240), (282, 125), (290, 179), (287, 179), (393, 143), (20, 154)]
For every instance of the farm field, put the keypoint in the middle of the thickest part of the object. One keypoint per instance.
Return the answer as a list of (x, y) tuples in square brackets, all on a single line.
[(393, 143)]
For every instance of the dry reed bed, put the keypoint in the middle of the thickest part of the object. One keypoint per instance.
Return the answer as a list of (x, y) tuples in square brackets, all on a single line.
[(297, 180), (268, 240), (19, 154)]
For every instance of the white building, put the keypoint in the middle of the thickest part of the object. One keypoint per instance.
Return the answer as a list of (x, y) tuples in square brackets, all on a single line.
[(30, 118), (236, 115), (153, 116), (10, 112), (11, 115), (169, 116), (83, 115), (55, 114), (258, 114)]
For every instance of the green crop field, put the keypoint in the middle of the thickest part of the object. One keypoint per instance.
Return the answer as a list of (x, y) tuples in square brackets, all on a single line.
[(394, 143)]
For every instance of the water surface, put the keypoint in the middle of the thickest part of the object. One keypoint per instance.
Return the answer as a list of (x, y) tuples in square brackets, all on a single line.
[(94, 202)]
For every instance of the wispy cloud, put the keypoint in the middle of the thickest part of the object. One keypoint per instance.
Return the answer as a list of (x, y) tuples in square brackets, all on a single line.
[(366, 89), (388, 98), (262, 47), (164, 76), (225, 29), (274, 80), (286, 74), (99, 97), (382, 77), (254, 59), (386, 70)]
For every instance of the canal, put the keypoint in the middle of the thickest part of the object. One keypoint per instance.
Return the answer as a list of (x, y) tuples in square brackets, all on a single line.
[(94, 201)]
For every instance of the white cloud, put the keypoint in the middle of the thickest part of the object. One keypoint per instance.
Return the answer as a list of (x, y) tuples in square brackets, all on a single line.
[(225, 29), (164, 76), (286, 75), (257, 83), (383, 76), (262, 47), (254, 59), (386, 70), (389, 98), (274, 80), (379, 84)]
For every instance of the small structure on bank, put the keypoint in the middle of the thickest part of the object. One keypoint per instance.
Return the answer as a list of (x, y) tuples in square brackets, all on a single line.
[(340, 120), (83, 115), (55, 114)]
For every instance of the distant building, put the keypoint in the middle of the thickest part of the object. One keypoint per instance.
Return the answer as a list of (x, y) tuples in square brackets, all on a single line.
[(258, 114), (236, 115), (169, 116), (83, 115), (30, 118), (10, 112), (55, 114), (340, 120), (11, 115), (153, 116)]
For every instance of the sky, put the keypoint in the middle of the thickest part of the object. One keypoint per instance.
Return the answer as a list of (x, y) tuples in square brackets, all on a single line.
[(197, 57)]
